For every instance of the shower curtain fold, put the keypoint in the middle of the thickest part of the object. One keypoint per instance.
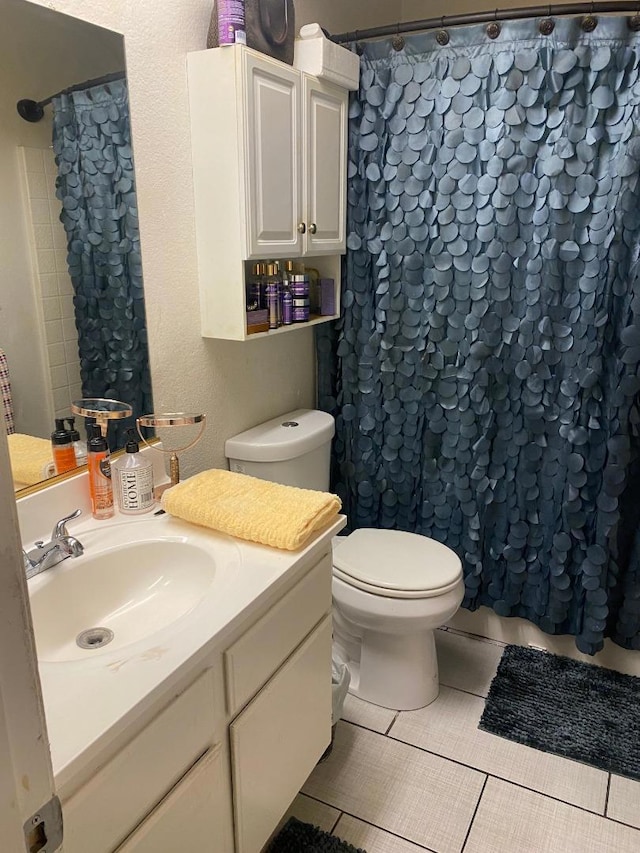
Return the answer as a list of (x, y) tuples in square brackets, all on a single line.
[(485, 371)]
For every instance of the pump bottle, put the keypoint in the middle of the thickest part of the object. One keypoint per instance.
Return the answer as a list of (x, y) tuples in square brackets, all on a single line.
[(64, 457), (133, 479), (100, 488), (79, 446)]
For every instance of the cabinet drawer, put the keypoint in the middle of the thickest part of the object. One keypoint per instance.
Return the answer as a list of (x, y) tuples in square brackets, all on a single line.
[(253, 659), (277, 740), (193, 816), (114, 801)]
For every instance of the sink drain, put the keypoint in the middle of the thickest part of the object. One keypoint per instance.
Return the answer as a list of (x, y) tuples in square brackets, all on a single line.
[(94, 638)]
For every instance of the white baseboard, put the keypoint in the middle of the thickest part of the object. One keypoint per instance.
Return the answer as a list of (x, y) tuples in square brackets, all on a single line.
[(485, 623)]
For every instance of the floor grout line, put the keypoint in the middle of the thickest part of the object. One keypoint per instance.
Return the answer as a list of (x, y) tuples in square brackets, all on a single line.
[(473, 816), (392, 723), (477, 637), (389, 832), (606, 798), (368, 822), (462, 690), (495, 776), (336, 822)]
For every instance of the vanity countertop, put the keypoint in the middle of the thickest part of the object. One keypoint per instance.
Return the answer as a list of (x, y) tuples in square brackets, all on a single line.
[(90, 702)]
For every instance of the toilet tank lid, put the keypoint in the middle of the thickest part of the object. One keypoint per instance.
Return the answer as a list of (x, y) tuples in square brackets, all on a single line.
[(395, 560), (285, 437)]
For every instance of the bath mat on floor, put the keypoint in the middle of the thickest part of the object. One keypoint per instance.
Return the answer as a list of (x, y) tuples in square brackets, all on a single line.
[(559, 705), (299, 837)]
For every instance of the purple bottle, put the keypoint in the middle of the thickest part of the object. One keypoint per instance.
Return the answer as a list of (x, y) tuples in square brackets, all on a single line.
[(287, 307), (231, 25)]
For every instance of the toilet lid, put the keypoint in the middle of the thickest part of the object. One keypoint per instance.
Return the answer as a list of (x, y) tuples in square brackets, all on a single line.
[(395, 560)]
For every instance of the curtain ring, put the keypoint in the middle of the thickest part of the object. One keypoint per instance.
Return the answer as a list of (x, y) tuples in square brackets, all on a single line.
[(397, 41), (634, 21), (589, 22), (493, 29), (547, 25), (442, 36)]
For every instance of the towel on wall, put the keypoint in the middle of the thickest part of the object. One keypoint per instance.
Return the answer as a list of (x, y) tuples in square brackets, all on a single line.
[(31, 459), (248, 508)]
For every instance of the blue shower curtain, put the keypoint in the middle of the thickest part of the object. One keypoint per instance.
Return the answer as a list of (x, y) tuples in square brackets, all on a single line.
[(96, 187), (485, 371)]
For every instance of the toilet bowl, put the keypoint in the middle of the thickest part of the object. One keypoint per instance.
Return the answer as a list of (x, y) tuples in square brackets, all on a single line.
[(391, 589)]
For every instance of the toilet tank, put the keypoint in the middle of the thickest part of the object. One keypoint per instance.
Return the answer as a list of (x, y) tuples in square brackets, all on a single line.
[(293, 449)]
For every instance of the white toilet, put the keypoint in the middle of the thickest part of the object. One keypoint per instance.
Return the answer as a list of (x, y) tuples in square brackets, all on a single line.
[(391, 589)]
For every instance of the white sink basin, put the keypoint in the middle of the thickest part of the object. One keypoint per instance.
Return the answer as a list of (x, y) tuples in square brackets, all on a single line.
[(112, 597)]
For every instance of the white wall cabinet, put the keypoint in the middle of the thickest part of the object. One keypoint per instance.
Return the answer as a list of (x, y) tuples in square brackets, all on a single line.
[(216, 767), (269, 149)]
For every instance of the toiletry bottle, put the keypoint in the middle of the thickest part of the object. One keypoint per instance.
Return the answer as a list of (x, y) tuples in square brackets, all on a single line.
[(287, 305), (300, 292), (262, 284), (100, 487), (64, 457), (79, 447), (133, 479), (254, 289), (272, 295)]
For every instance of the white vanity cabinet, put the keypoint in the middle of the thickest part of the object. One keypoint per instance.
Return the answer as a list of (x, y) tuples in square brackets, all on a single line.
[(269, 147), (213, 766)]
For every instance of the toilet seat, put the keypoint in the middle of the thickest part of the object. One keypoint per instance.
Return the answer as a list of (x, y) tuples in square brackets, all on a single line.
[(396, 564)]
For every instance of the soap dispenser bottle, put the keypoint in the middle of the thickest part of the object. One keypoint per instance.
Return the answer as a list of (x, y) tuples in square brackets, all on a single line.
[(64, 457), (133, 479), (79, 447), (100, 488)]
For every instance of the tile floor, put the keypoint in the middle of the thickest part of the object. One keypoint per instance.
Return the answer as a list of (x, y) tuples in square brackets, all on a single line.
[(429, 780)]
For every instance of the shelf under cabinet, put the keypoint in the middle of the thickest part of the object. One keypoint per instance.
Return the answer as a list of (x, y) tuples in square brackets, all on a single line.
[(312, 321)]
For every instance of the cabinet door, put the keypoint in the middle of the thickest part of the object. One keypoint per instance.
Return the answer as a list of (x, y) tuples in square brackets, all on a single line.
[(278, 738), (193, 816), (273, 167), (325, 109)]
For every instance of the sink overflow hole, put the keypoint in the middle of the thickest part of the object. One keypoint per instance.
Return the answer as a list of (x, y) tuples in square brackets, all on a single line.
[(94, 638)]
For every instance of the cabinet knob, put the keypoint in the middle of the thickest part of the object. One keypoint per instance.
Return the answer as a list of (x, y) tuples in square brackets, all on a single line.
[(301, 228), (313, 228)]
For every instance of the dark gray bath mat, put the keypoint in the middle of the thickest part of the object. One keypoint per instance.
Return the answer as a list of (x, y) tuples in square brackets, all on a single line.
[(299, 837), (559, 705)]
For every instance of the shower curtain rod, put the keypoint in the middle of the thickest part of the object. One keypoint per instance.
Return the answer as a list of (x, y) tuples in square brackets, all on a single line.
[(549, 11), (34, 110)]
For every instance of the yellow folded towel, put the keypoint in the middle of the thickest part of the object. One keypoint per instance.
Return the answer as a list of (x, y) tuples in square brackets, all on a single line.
[(257, 510), (31, 459)]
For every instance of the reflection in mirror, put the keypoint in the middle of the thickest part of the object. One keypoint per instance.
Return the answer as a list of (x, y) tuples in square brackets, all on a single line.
[(72, 319)]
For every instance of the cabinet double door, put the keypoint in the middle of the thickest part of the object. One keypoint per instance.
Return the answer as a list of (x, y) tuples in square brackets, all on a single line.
[(295, 143)]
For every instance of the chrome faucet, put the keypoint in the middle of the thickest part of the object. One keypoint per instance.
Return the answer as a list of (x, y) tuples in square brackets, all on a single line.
[(61, 546)]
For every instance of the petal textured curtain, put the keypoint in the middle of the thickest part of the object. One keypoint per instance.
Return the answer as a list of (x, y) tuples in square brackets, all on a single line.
[(485, 372), (96, 186)]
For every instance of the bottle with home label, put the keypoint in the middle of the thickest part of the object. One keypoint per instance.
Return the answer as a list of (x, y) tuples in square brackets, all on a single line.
[(133, 479)]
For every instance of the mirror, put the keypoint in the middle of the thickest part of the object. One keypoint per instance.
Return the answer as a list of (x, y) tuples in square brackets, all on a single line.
[(42, 53)]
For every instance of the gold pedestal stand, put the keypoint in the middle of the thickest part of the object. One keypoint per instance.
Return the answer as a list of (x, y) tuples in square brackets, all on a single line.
[(171, 419)]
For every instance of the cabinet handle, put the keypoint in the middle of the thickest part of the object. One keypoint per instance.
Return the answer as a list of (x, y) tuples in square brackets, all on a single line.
[(313, 228), (301, 228)]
